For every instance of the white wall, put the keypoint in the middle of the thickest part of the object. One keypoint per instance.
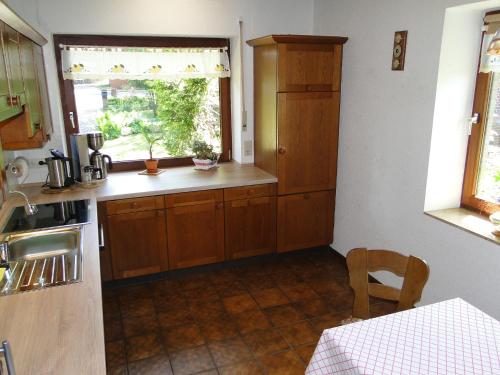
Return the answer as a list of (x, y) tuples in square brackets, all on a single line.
[(385, 137), (214, 18)]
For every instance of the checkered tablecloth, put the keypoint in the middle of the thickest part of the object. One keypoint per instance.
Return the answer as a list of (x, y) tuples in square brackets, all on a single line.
[(450, 337)]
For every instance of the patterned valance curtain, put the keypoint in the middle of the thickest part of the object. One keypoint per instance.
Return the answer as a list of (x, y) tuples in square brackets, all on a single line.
[(143, 63)]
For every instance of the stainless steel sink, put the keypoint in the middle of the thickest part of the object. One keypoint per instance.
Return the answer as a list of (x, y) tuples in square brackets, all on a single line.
[(43, 258)]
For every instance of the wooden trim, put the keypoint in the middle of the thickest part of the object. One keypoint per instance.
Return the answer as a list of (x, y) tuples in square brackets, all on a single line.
[(474, 149), (12, 19), (308, 39), (67, 91)]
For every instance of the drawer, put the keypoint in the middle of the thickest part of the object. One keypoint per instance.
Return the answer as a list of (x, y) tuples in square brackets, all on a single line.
[(195, 197), (123, 206), (253, 191)]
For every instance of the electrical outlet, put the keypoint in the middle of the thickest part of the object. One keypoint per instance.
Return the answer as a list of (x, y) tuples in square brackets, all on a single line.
[(248, 148)]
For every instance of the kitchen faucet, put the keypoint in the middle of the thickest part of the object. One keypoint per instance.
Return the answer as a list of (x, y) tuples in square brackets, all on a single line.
[(29, 208)]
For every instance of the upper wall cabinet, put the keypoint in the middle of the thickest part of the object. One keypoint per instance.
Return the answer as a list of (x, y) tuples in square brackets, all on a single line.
[(25, 120), (309, 67)]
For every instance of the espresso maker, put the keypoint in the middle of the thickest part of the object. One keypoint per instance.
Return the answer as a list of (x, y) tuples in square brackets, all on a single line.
[(95, 141)]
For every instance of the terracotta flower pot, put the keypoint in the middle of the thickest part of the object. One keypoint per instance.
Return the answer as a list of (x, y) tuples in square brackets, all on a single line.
[(151, 165)]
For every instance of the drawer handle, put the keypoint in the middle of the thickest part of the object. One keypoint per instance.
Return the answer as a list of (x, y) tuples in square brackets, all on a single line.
[(135, 205), (251, 192), (219, 205)]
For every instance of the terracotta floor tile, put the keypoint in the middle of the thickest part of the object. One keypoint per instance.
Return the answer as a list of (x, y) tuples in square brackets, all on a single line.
[(326, 287), (219, 329), (182, 337), (329, 320), (339, 301), (139, 325), (113, 329), (191, 361), (233, 288), (270, 297), (111, 308), (169, 302), (305, 352), (251, 320), (174, 317), (208, 372), (254, 284), (312, 307), (115, 354), (132, 292), (299, 333), (157, 365), (265, 342), (194, 281), (145, 346), (229, 351), (239, 303), (137, 307), (299, 291), (283, 315), (285, 363), (222, 277), (197, 297), (209, 311), (243, 368)]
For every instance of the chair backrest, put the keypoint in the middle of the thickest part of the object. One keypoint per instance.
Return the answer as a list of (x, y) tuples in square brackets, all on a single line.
[(361, 261)]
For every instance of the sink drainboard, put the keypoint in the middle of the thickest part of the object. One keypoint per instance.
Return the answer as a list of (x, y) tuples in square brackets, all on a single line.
[(43, 259), (41, 273)]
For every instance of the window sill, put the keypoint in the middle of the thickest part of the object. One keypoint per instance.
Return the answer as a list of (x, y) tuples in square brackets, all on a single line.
[(467, 220)]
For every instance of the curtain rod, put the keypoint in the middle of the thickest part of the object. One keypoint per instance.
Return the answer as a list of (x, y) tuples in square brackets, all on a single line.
[(68, 46)]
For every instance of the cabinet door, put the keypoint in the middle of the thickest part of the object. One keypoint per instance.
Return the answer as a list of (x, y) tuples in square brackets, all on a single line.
[(8, 108), (46, 117), (31, 91), (250, 227), (138, 243), (305, 220), (195, 234), (307, 141), (11, 42), (309, 67)]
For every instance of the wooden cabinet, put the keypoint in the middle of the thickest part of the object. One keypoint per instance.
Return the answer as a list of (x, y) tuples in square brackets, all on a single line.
[(25, 120), (296, 101), (309, 67), (308, 137), (138, 243), (250, 224), (305, 220), (195, 227)]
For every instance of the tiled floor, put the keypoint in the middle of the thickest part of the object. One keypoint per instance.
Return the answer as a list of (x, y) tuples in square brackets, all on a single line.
[(262, 316)]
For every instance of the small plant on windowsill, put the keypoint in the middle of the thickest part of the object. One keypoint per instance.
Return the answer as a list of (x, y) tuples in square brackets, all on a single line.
[(495, 216), (152, 134), (205, 157)]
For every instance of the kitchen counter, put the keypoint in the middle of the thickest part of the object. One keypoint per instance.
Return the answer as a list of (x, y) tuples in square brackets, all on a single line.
[(59, 330)]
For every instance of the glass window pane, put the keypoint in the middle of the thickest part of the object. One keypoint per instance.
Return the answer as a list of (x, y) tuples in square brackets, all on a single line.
[(488, 187), (127, 111)]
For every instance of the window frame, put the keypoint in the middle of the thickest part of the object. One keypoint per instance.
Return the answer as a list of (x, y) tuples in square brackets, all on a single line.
[(475, 143), (67, 93)]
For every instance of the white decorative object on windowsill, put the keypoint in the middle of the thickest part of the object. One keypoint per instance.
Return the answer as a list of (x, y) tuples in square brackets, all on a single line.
[(204, 164)]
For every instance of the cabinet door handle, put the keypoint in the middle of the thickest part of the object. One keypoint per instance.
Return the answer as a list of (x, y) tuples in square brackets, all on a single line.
[(101, 236), (9, 361), (219, 205), (282, 150)]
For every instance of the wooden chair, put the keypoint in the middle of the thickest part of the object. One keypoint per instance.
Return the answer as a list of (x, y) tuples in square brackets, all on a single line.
[(361, 261)]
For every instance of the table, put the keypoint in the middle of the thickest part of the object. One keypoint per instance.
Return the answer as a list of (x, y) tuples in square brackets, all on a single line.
[(450, 337)]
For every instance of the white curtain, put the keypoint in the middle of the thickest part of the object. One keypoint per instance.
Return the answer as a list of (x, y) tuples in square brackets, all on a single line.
[(143, 63)]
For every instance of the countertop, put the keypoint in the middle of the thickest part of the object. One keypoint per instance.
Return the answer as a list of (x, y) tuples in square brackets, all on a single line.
[(60, 330)]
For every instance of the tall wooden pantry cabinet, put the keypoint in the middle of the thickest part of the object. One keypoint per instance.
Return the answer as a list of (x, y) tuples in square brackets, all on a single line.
[(296, 100)]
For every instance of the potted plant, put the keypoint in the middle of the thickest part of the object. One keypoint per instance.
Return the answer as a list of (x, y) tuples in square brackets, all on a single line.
[(151, 134), (205, 157)]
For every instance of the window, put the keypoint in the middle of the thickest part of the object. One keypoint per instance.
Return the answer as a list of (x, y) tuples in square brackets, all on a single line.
[(481, 188), (176, 89)]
